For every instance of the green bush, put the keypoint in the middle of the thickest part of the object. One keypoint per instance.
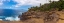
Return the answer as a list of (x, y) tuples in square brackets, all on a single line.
[(57, 5)]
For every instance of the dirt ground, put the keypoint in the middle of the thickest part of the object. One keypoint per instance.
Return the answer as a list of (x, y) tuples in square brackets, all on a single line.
[(61, 16)]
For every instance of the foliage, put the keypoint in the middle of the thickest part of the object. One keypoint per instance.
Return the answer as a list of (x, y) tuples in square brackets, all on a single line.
[(55, 5)]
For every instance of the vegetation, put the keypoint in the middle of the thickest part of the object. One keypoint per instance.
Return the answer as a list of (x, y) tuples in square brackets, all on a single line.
[(55, 5)]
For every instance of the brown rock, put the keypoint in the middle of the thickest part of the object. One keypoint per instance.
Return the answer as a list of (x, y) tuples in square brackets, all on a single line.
[(47, 17)]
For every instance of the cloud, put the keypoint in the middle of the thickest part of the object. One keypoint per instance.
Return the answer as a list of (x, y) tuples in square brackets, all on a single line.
[(26, 2), (1, 4), (54, 0), (31, 2), (1, 1), (8, 0)]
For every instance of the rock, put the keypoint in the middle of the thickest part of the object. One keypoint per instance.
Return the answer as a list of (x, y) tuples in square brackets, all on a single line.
[(51, 18), (47, 17)]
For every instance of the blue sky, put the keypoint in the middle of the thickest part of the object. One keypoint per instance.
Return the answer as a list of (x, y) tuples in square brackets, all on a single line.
[(19, 4), (5, 4)]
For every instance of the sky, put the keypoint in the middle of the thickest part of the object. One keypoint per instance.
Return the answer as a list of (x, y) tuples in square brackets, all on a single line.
[(20, 4)]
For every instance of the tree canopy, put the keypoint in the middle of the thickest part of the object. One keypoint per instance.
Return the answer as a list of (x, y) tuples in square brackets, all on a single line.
[(55, 5)]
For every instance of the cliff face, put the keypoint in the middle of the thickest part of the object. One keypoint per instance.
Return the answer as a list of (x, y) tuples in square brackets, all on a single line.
[(40, 17)]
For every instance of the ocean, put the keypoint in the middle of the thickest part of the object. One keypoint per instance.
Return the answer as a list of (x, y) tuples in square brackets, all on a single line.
[(4, 13)]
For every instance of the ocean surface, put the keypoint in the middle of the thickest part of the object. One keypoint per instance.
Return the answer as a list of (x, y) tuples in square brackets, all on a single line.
[(4, 13)]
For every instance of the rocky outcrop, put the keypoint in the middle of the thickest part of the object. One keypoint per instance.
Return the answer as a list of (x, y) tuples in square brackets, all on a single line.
[(39, 17)]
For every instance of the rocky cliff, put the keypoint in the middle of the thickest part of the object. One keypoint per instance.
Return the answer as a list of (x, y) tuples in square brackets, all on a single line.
[(41, 17)]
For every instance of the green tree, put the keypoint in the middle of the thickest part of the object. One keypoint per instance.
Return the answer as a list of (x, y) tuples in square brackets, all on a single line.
[(59, 5)]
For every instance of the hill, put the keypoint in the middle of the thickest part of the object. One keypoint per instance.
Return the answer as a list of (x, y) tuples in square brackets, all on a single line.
[(48, 13)]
